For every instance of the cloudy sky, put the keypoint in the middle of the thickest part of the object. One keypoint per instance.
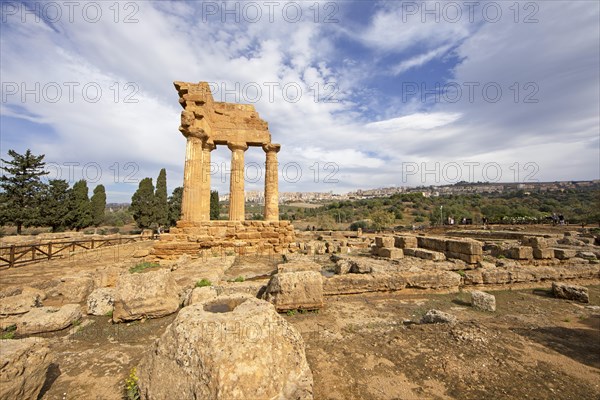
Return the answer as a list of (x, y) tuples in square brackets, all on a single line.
[(361, 94)]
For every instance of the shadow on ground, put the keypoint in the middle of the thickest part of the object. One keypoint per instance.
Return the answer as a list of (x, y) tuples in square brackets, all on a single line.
[(582, 345)]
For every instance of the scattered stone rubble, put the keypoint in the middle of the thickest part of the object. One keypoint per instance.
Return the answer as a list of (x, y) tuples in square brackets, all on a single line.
[(438, 317), (483, 301), (567, 291)]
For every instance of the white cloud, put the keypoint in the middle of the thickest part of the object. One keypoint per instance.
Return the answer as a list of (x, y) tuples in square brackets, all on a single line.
[(418, 121), (419, 60), (559, 54), (397, 27)]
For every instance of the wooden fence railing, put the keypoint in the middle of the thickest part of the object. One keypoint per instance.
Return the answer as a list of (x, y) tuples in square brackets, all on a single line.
[(14, 255)]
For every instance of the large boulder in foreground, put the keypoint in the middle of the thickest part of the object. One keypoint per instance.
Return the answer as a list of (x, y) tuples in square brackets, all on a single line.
[(148, 295), (233, 347), (295, 290), (23, 367), (48, 319)]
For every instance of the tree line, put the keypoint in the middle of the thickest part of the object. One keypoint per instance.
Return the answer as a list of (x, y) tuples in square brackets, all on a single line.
[(25, 200)]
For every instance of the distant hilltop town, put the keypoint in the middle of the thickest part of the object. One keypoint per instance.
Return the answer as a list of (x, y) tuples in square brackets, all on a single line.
[(426, 191)]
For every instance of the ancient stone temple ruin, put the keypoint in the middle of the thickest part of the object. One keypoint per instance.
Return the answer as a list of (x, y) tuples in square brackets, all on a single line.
[(205, 124)]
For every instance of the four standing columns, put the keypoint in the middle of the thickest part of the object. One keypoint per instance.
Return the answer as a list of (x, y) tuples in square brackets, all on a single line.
[(236, 182), (195, 202), (271, 182)]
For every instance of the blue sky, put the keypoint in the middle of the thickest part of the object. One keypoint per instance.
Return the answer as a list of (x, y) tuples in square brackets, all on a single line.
[(409, 93)]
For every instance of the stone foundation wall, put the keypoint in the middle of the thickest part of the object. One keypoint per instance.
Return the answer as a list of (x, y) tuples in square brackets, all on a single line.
[(217, 237)]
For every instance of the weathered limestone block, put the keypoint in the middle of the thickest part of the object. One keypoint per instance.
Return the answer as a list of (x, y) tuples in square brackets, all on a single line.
[(542, 253), (468, 258), (537, 242), (519, 253), (571, 241), (438, 317), (405, 242), (425, 254), (483, 301), (586, 255), (467, 246), (73, 289), (234, 347), (473, 277), (298, 266), (523, 274), (486, 264), (390, 252), (384, 241), (48, 319), (101, 301), (22, 302), (564, 254), (432, 243), (358, 266), (295, 290), (495, 276), (342, 266), (200, 295), (23, 367), (363, 283), (107, 277), (145, 295), (570, 292), (140, 253), (432, 280)]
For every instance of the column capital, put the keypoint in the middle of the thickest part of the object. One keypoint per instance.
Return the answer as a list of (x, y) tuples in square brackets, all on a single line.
[(208, 145), (270, 147), (237, 146), (193, 133)]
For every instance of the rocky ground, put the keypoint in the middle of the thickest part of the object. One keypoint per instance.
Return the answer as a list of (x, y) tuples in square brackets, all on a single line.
[(534, 346), (370, 346), (359, 346)]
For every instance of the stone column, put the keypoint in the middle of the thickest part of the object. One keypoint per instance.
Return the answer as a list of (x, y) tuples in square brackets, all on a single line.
[(236, 182), (207, 147), (271, 182), (192, 173)]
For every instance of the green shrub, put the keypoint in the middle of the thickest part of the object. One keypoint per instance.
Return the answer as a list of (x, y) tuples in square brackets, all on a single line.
[(8, 332), (203, 283), (239, 279), (142, 266), (7, 335)]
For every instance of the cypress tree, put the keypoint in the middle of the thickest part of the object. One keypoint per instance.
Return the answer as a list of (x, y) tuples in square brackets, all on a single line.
[(80, 216), (161, 202), (55, 204), (215, 210), (22, 188), (142, 204), (98, 204), (175, 206)]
